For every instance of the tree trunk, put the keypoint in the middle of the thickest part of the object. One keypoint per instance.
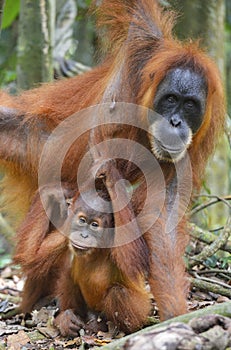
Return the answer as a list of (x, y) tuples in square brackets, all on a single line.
[(36, 24)]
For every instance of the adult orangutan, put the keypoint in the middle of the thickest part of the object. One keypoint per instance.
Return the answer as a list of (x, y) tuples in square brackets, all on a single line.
[(146, 66)]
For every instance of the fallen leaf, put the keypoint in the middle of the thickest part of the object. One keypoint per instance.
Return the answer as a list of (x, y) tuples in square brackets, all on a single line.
[(16, 341)]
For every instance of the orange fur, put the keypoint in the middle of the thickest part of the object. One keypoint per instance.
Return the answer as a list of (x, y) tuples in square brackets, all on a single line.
[(141, 51), (105, 289), (90, 283), (41, 255)]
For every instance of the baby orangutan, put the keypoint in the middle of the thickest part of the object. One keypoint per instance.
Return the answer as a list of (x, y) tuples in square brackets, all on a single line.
[(83, 264), (93, 284)]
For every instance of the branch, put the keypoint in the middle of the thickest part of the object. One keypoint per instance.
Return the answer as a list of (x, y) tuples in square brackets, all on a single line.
[(212, 248), (212, 287), (206, 236)]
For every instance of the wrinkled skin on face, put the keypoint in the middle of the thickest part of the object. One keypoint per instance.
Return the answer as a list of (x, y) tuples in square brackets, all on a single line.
[(181, 102)]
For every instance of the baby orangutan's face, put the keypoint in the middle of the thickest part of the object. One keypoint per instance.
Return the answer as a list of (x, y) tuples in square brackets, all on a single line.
[(89, 228)]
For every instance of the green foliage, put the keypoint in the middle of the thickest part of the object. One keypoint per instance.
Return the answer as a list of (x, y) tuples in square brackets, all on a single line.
[(10, 12), (83, 4), (225, 262), (9, 76), (205, 187), (5, 260)]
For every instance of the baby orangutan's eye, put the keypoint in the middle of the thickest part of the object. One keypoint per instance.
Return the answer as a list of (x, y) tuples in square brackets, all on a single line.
[(81, 220), (94, 225)]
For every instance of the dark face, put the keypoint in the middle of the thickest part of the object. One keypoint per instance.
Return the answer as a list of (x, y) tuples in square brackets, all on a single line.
[(90, 228), (181, 102)]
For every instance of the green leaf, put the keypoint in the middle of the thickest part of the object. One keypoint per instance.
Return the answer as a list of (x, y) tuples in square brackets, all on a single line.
[(5, 260), (225, 262), (10, 12)]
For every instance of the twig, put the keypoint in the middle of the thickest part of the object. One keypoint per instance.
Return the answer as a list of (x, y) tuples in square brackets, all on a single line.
[(210, 280), (214, 199), (212, 287), (8, 289), (217, 229), (225, 275), (219, 271)]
